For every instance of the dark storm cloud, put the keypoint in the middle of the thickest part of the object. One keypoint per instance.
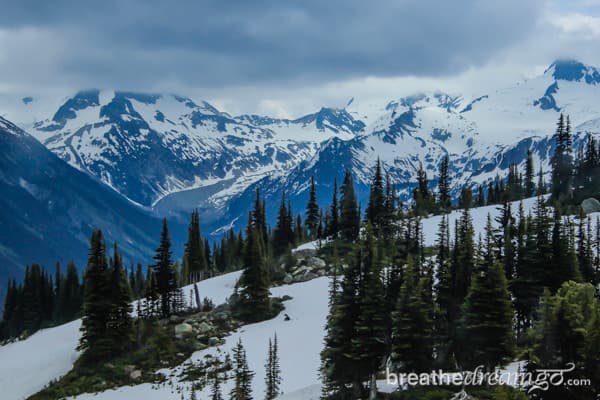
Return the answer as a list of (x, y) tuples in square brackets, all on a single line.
[(214, 43)]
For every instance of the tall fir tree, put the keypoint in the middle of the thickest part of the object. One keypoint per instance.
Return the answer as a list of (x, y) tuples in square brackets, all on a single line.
[(97, 305), (375, 211), (242, 388), (529, 175), (163, 271), (334, 212), (272, 371), (312, 210), (412, 340), (194, 253), (254, 301), (120, 326), (487, 327), (444, 200), (349, 213), (369, 338)]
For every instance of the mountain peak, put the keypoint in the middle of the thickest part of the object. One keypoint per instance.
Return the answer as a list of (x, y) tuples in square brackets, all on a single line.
[(574, 71)]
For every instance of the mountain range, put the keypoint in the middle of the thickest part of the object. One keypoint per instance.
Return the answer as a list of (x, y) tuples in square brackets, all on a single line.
[(142, 156)]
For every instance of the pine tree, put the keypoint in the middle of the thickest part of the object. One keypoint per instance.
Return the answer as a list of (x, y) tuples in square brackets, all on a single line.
[(334, 212), (444, 200), (97, 305), (412, 340), (375, 211), (487, 330), (585, 255), (563, 264), (254, 294), (312, 210), (529, 175), (349, 214), (443, 295), (337, 368), (368, 341), (163, 271), (422, 196), (194, 251), (272, 371), (562, 162), (282, 234), (120, 327), (215, 390), (242, 389)]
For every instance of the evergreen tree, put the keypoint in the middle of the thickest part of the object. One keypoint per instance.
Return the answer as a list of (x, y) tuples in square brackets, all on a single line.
[(272, 371), (194, 251), (215, 390), (282, 234), (120, 327), (585, 255), (412, 340), (254, 295), (443, 295), (337, 368), (487, 314), (334, 212), (163, 271), (529, 175), (368, 341), (563, 264), (312, 210), (97, 305), (242, 389), (562, 162), (423, 199), (444, 200), (375, 211), (349, 214)]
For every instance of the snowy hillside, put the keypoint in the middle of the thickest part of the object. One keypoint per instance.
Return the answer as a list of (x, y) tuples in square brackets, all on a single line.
[(300, 338)]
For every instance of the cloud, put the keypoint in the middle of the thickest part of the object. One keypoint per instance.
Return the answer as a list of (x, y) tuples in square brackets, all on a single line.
[(141, 44)]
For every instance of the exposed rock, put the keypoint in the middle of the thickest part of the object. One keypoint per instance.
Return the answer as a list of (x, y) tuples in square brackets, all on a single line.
[(137, 374), (316, 262), (307, 276), (129, 368), (175, 319), (287, 279), (204, 327), (590, 205), (222, 315), (199, 346), (215, 341), (183, 329)]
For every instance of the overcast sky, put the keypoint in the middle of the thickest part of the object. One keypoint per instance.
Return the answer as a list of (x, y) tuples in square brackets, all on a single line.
[(287, 58)]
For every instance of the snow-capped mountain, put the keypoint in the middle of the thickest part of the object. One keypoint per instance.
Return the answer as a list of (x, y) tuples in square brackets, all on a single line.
[(482, 136), (148, 146), (171, 154)]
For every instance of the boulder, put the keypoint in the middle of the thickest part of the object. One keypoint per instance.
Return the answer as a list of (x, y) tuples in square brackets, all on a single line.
[(129, 368), (183, 329), (287, 279), (215, 341), (316, 262), (137, 374), (590, 205), (204, 327)]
